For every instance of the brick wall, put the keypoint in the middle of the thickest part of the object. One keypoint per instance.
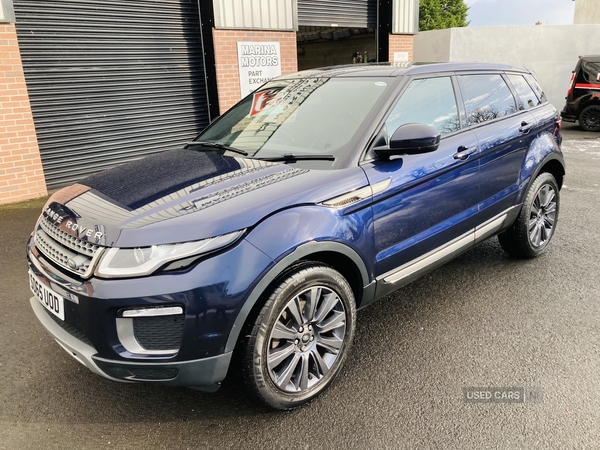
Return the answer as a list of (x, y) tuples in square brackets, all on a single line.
[(226, 59), (21, 174), (401, 43)]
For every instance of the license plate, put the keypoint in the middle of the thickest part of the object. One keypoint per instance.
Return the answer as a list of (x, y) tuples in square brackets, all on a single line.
[(49, 299)]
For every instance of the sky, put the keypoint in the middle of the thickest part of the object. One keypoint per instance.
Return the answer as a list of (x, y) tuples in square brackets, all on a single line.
[(520, 12)]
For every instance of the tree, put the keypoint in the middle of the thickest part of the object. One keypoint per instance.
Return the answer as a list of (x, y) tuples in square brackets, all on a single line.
[(438, 14)]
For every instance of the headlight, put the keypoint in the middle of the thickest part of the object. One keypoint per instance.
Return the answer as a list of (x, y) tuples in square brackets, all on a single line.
[(129, 262)]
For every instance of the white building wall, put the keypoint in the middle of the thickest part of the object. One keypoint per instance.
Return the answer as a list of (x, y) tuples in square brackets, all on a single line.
[(587, 11), (551, 51)]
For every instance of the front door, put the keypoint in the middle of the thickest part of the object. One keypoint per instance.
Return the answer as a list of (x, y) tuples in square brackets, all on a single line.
[(431, 198)]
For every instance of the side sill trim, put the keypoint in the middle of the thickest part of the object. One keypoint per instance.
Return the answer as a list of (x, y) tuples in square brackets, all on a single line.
[(414, 269), (416, 266)]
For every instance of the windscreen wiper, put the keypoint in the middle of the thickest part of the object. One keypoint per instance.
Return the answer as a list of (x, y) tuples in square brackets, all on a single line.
[(291, 157), (215, 145)]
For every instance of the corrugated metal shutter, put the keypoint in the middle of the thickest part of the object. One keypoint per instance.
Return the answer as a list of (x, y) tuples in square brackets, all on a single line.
[(255, 14), (405, 17), (342, 13), (110, 81)]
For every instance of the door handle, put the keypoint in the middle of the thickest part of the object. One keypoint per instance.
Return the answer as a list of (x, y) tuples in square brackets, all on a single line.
[(525, 127), (464, 152)]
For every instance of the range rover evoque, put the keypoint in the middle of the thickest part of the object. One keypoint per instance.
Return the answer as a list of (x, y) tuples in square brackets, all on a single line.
[(317, 194)]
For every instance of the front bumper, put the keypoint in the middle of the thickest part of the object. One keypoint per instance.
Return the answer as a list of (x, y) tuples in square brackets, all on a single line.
[(208, 296), (205, 373)]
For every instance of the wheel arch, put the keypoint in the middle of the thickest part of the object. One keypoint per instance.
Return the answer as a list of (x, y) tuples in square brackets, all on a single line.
[(334, 254), (585, 101), (544, 155), (556, 168)]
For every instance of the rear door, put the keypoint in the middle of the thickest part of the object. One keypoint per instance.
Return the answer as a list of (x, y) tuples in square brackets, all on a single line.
[(530, 97), (504, 130), (422, 202)]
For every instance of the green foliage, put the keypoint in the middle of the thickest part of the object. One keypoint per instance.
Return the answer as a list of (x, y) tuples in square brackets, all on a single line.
[(438, 14)]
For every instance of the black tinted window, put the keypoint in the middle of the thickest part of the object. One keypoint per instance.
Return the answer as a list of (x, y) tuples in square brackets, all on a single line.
[(430, 101), (487, 97), (526, 98)]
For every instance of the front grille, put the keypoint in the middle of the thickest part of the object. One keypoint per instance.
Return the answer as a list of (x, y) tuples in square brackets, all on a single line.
[(159, 333), (70, 329), (60, 247)]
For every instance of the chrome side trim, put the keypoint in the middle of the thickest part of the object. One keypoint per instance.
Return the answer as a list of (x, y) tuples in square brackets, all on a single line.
[(492, 226), (355, 196), (381, 186), (482, 232), (348, 199), (127, 338), (153, 312), (415, 267)]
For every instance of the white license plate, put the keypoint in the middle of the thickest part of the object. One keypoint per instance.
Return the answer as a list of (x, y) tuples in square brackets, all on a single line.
[(47, 297)]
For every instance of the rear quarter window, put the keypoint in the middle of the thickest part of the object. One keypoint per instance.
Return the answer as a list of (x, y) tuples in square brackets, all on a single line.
[(526, 98), (536, 88)]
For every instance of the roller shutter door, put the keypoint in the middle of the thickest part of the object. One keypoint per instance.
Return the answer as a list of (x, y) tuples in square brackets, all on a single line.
[(342, 13), (110, 81)]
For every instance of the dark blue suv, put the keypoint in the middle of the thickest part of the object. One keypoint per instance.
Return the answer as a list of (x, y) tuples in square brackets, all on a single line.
[(311, 198)]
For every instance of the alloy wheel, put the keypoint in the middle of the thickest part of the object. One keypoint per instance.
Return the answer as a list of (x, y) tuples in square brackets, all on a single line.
[(306, 339), (542, 216)]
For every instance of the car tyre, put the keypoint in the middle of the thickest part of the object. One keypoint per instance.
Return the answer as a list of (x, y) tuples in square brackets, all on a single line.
[(589, 118), (534, 227), (301, 337)]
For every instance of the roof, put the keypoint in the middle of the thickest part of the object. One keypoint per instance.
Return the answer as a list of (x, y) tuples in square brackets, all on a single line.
[(590, 58), (399, 69)]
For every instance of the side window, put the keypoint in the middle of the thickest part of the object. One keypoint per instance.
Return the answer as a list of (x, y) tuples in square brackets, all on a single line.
[(536, 87), (487, 97), (430, 101), (526, 98)]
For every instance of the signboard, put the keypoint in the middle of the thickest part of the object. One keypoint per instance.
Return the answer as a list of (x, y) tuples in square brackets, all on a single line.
[(400, 56), (258, 62)]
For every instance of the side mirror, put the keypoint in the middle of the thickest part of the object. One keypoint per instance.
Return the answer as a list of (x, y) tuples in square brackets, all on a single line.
[(411, 139)]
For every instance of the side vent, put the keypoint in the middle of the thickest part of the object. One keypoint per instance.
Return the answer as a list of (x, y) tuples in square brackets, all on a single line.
[(356, 196)]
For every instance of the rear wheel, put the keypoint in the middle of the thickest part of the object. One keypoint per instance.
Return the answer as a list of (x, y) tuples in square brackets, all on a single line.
[(530, 235), (589, 118), (301, 338)]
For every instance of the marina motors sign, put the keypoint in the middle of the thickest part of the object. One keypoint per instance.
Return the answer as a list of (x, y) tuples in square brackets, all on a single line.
[(258, 62)]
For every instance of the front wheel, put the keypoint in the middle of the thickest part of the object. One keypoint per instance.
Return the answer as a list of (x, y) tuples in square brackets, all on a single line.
[(530, 235), (301, 338), (589, 118)]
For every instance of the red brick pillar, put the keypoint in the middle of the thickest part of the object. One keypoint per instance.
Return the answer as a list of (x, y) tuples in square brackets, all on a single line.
[(21, 173), (401, 43), (226, 58)]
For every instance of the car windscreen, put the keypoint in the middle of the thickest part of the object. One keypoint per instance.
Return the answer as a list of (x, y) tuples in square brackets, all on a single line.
[(304, 117)]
